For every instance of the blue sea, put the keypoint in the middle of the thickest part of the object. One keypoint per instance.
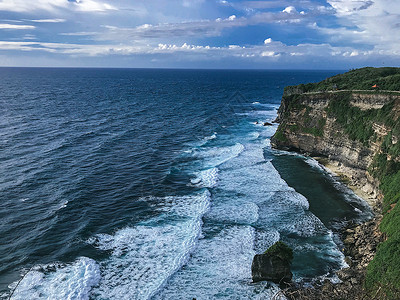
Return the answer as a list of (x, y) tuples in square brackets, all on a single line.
[(157, 184)]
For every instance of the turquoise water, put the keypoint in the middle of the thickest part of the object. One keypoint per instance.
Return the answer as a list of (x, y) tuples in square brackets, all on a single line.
[(155, 184)]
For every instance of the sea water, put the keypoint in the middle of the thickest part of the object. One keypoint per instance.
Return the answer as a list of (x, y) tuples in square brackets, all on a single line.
[(156, 184)]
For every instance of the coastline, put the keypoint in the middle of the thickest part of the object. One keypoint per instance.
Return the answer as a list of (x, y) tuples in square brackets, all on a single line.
[(360, 242), (361, 134), (372, 197)]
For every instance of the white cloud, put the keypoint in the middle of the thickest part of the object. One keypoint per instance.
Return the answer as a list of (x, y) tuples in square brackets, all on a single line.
[(348, 7), (201, 28), (290, 10), (268, 41), (48, 20), (269, 54), (54, 5), (372, 23), (18, 27), (274, 50), (364, 28), (92, 6)]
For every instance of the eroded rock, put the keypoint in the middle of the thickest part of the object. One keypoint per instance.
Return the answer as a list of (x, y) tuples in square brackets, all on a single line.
[(273, 265)]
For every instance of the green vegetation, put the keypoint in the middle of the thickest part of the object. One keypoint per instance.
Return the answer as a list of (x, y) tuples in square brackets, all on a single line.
[(281, 250), (295, 102), (310, 125), (355, 122), (280, 135), (359, 79), (315, 131), (383, 273)]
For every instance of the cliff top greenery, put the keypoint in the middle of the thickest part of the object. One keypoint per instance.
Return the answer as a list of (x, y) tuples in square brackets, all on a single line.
[(386, 78), (383, 273)]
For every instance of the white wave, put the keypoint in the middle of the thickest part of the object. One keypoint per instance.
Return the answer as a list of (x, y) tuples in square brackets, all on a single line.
[(269, 114), (203, 141), (206, 178), (190, 206), (267, 143), (145, 256), (254, 135), (211, 137), (265, 239), (64, 205), (218, 155), (240, 213), (315, 164), (72, 281), (297, 199), (219, 269), (307, 225), (251, 178)]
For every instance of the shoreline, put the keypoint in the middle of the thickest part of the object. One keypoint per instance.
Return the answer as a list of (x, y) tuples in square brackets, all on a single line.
[(372, 198), (360, 242)]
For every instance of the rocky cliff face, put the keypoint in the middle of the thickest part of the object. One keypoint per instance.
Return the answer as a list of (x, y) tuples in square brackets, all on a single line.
[(358, 132), (306, 125)]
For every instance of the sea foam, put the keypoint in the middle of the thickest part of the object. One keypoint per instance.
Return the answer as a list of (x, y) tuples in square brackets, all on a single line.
[(71, 281), (206, 178), (145, 256)]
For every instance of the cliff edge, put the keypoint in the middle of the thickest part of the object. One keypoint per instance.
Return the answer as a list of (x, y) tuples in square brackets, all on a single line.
[(357, 130)]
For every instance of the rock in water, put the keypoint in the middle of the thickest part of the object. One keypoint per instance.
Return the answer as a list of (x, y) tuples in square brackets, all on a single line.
[(273, 265)]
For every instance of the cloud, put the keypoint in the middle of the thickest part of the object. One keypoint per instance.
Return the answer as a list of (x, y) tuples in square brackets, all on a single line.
[(348, 7), (48, 20), (202, 28), (92, 6), (18, 27), (340, 29), (290, 10), (268, 41), (54, 5), (270, 54), (273, 51), (371, 23), (198, 29)]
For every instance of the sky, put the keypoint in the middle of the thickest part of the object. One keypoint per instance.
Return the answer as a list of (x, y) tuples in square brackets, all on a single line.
[(237, 34)]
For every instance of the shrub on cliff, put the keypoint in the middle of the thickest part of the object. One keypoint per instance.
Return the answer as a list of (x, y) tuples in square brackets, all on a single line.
[(383, 277), (273, 265), (359, 79), (281, 250)]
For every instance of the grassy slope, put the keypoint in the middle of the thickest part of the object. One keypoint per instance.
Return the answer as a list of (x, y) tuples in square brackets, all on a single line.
[(359, 79), (383, 276)]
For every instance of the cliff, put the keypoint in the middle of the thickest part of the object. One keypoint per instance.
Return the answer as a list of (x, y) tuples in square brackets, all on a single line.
[(358, 132)]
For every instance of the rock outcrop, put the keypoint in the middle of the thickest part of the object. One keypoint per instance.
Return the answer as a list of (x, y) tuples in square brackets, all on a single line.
[(273, 265), (358, 136), (360, 242), (306, 126)]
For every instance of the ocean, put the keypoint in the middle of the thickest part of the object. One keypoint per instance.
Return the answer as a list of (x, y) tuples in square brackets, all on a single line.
[(157, 184)]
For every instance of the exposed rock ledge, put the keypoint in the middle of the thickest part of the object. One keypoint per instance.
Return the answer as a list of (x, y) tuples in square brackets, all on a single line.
[(360, 246), (306, 127)]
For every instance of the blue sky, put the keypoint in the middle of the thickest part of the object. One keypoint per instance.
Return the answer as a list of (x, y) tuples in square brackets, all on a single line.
[(273, 34)]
